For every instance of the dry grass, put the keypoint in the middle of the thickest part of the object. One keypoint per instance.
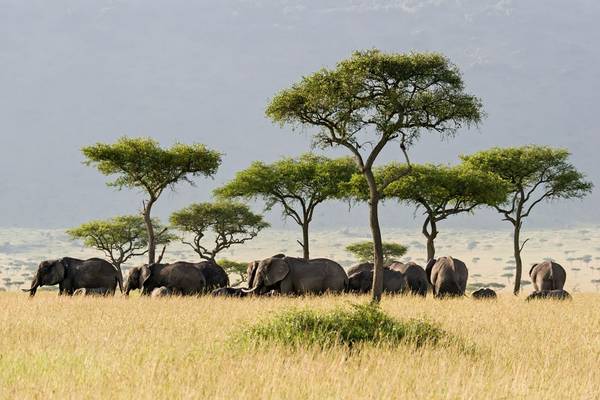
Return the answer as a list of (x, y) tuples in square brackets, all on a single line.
[(100, 348)]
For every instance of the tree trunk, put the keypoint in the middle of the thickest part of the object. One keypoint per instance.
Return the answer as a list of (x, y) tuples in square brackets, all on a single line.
[(377, 289), (305, 244), (518, 261), (430, 235), (150, 231)]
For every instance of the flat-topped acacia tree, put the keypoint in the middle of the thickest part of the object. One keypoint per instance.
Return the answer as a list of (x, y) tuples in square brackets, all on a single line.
[(298, 185), (440, 191), (141, 163), (533, 174), (372, 99), (229, 222), (120, 238)]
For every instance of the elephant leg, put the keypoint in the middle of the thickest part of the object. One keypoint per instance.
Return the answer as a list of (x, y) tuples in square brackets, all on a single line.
[(286, 286), (61, 289)]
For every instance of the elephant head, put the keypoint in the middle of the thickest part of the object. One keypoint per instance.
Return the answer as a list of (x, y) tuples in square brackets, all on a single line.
[(360, 281), (269, 273), (137, 277), (50, 272)]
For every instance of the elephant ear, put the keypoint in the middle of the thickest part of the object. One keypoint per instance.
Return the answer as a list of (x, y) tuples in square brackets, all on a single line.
[(59, 271), (428, 269), (366, 281), (531, 270), (277, 270)]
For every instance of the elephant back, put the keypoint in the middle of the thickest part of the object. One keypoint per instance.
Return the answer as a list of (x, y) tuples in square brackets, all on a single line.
[(360, 267)]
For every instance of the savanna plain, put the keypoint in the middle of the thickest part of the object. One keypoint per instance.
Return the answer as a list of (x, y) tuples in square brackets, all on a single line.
[(59, 347)]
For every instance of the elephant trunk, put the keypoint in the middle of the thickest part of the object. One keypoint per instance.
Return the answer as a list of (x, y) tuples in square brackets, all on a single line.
[(33, 289)]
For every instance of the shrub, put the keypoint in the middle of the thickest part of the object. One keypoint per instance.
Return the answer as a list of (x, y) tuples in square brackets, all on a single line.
[(362, 324)]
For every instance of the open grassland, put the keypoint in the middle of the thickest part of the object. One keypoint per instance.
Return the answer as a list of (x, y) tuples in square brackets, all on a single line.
[(58, 347)]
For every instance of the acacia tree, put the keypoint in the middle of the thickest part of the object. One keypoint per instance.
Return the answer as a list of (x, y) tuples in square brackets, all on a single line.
[(298, 185), (441, 191), (120, 238), (141, 163), (363, 251), (372, 99), (230, 223), (533, 174)]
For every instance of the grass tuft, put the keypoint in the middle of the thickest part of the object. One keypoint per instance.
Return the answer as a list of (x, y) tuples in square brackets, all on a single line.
[(362, 323)]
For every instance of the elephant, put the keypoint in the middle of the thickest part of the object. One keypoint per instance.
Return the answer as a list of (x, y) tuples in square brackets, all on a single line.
[(92, 292), (215, 275), (414, 275), (71, 274), (229, 292), (484, 293), (290, 275), (161, 292), (448, 276), (547, 276), (362, 281), (180, 277), (558, 294)]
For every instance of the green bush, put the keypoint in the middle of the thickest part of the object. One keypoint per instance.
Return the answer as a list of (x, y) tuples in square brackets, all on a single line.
[(361, 324)]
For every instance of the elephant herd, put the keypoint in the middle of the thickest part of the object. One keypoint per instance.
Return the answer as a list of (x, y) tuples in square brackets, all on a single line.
[(281, 275)]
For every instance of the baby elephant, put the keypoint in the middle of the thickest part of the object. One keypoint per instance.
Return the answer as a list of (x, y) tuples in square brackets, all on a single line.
[(161, 292), (92, 292), (558, 294), (229, 292), (484, 293)]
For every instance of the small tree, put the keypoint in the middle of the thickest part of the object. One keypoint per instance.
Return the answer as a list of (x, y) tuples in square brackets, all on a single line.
[(231, 223), (533, 174), (235, 268), (297, 185), (141, 163), (363, 251), (441, 191), (371, 100), (120, 238)]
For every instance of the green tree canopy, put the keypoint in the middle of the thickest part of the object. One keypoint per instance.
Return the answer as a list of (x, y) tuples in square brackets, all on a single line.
[(140, 163), (363, 251), (120, 238), (230, 222), (438, 190), (298, 185), (372, 99), (533, 174)]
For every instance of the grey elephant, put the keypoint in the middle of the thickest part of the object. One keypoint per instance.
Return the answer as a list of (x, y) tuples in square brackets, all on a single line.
[(161, 292), (290, 275), (547, 275), (92, 292), (362, 281), (484, 293), (215, 275), (558, 294), (415, 277), (447, 276), (181, 278), (71, 274)]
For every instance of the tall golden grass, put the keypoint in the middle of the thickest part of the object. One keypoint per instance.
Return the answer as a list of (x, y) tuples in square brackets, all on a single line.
[(180, 348)]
